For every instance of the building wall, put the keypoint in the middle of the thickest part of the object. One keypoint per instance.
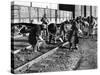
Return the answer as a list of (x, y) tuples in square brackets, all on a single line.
[(88, 11), (79, 11), (94, 11), (82, 11), (25, 12)]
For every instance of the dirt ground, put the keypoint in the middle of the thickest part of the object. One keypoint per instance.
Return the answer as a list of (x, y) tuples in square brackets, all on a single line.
[(89, 54), (63, 59)]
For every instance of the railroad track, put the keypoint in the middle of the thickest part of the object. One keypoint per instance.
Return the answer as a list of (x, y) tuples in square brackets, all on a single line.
[(24, 67)]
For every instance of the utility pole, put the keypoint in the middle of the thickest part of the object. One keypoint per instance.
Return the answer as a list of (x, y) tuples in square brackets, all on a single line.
[(90, 10), (19, 14), (30, 12), (84, 11), (56, 16)]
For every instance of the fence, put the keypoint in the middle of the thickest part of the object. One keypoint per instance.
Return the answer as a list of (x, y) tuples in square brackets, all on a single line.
[(26, 14)]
